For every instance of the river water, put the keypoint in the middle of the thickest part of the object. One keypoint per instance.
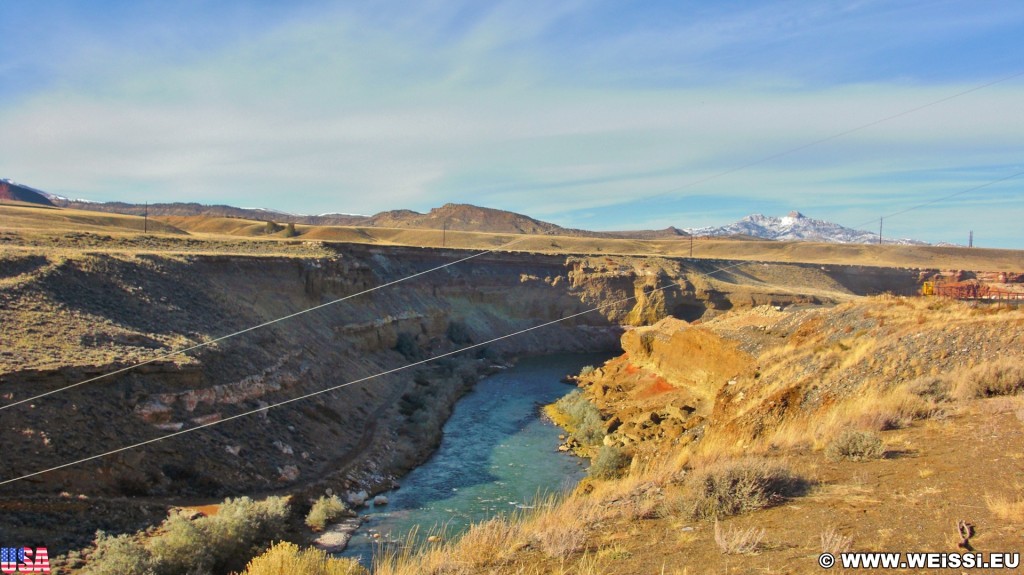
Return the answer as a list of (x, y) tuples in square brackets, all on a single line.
[(498, 453)]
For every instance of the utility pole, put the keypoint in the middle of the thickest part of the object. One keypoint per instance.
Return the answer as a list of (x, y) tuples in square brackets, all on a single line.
[(970, 239), (444, 232), (880, 230), (145, 219), (691, 245)]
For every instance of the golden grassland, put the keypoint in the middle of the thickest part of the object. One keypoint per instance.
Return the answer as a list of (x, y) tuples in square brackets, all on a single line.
[(50, 221), (30, 217)]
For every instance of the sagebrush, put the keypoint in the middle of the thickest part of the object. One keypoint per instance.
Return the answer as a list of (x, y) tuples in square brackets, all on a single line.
[(609, 463), (286, 559), (732, 487), (218, 543), (324, 510), (855, 445)]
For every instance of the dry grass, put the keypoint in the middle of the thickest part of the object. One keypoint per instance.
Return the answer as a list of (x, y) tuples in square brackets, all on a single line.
[(1002, 377), (488, 543), (834, 542), (23, 218), (738, 541), (33, 218), (484, 545), (884, 372), (560, 529), (1005, 508)]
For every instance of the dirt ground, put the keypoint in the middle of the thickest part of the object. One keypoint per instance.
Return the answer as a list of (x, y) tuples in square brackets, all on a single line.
[(933, 474)]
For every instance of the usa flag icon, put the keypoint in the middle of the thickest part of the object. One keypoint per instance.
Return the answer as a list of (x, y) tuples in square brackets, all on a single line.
[(20, 560)]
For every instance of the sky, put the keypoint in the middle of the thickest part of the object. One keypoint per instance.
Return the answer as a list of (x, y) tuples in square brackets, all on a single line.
[(603, 115)]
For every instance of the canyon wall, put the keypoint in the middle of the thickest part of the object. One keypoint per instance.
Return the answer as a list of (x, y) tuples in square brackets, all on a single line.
[(67, 319)]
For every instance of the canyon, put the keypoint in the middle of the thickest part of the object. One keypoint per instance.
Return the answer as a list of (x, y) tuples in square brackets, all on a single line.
[(75, 315)]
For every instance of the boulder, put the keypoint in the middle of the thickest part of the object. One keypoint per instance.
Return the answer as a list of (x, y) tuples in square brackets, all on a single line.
[(380, 500), (357, 498), (288, 473)]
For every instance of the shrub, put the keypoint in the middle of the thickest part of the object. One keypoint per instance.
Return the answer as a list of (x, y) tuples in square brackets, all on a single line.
[(609, 463), (181, 548), (734, 487), (325, 510), (581, 418), (218, 543), (586, 370), (1003, 377), (241, 524), (290, 231), (929, 387), (854, 446), (272, 228), (120, 555), (286, 559)]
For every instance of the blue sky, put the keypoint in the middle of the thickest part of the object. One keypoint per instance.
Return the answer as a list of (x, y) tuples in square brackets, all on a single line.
[(594, 114)]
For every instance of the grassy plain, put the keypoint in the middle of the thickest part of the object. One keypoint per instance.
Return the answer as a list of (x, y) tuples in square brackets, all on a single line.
[(221, 234)]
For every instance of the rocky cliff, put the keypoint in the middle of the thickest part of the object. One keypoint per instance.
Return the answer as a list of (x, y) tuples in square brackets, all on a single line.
[(69, 318)]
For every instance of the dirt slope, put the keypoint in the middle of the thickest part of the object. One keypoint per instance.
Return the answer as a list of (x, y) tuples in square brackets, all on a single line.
[(938, 383)]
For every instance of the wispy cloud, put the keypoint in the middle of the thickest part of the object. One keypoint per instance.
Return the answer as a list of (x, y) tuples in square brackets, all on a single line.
[(575, 111)]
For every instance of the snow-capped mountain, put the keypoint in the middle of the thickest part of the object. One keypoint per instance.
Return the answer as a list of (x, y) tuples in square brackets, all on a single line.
[(796, 226)]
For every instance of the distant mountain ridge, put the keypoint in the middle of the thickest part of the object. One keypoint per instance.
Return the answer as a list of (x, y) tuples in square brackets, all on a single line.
[(467, 217), (795, 226), (12, 191)]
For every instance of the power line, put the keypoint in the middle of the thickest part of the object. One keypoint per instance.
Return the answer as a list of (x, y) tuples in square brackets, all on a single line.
[(396, 369), (340, 386), (255, 327), (305, 311), (302, 312), (943, 198)]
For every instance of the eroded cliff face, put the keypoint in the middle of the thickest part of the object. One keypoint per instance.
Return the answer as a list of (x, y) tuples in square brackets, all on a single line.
[(68, 319)]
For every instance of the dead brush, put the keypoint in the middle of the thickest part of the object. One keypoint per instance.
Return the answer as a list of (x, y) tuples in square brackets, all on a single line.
[(738, 541), (855, 446), (1001, 377), (731, 487)]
